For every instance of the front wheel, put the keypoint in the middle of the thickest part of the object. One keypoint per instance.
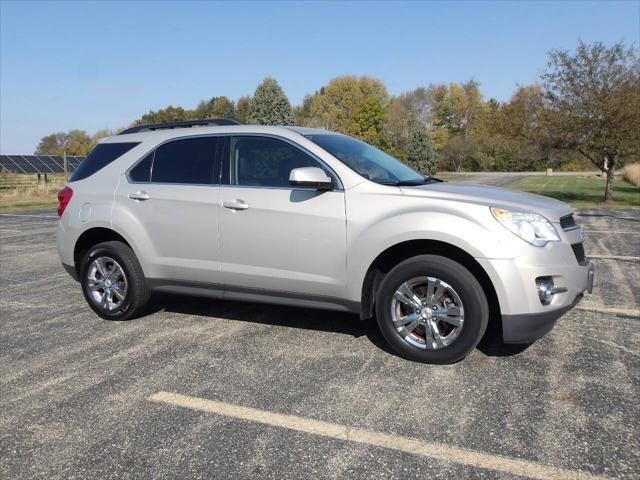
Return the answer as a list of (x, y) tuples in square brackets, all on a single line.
[(112, 281), (431, 309)]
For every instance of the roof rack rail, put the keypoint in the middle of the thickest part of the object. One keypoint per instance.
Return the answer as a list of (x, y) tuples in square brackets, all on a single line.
[(184, 124)]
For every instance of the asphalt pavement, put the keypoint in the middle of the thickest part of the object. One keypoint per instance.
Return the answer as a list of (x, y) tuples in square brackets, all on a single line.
[(87, 398)]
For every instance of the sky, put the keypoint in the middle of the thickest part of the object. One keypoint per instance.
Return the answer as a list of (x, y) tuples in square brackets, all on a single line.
[(95, 65)]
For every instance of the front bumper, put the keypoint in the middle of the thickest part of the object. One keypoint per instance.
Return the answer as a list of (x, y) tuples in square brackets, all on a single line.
[(528, 327)]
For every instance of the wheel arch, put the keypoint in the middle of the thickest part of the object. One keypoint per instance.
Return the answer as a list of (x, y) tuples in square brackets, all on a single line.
[(92, 237), (399, 252)]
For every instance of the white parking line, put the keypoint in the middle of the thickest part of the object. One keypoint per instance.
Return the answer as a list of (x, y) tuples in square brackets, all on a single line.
[(414, 446)]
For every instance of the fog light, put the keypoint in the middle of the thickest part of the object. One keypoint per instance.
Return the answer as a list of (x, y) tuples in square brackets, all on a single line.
[(546, 289)]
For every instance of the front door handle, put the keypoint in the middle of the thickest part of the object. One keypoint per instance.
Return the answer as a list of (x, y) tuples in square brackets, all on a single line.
[(139, 195), (237, 204)]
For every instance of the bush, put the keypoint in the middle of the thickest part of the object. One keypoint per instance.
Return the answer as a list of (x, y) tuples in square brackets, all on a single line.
[(631, 174)]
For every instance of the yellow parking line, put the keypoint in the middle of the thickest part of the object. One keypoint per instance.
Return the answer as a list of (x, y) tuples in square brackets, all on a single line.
[(414, 446), (615, 257), (615, 232)]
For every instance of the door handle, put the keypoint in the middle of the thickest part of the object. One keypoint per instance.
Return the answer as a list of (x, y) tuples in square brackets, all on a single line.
[(139, 195), (237, 204)]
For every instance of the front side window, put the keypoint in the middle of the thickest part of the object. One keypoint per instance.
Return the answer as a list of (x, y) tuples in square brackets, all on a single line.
[(367, 161), (188, 160), (265, 162)]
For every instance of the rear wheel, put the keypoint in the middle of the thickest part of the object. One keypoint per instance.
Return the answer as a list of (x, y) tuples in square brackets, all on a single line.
[(112, 281), (431, 309)]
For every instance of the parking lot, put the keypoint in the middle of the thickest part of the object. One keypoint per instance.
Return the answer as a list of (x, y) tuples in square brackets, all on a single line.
[(166, 395)]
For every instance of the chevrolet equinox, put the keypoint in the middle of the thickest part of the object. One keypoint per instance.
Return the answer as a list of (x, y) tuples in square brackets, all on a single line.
[(316, 219)]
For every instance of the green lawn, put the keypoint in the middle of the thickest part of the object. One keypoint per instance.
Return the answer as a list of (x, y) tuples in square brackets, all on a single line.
[(580, 191)]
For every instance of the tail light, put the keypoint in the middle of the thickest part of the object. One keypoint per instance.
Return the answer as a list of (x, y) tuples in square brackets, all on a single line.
[(64, 196)]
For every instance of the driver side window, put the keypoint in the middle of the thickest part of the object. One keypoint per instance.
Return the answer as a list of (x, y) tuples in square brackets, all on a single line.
[(265, 162)]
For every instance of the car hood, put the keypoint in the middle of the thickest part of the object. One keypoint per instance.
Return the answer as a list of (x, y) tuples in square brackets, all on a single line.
[(492, 197)]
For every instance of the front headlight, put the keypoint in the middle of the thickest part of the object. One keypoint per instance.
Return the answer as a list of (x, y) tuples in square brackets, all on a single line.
[(530, 227)]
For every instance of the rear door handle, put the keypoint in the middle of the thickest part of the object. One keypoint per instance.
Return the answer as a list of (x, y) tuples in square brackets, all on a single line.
[(139, 195), (237, 204)]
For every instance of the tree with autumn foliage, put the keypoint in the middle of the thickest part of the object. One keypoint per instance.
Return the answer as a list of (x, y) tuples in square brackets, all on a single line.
[(594, 104)]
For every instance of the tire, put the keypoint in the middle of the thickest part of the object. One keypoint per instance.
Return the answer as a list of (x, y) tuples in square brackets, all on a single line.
[(463, 316), (100, 277)]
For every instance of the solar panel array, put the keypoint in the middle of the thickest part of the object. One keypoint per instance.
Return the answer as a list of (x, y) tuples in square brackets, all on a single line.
[(37, 163)]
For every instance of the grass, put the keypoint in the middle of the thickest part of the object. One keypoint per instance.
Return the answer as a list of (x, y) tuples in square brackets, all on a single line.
[(580, 191), (22, 192)]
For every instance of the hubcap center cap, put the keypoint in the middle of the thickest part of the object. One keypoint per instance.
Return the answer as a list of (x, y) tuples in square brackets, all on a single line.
[(107, 283), (426, 313)]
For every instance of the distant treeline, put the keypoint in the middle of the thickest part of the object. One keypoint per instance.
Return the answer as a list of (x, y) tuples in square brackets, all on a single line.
[(584, 113)]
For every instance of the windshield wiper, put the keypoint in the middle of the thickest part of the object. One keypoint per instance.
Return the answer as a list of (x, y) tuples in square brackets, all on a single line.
[(410, 183)]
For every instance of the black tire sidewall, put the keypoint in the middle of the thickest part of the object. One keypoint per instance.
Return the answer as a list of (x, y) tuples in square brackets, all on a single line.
[(476, 310), (109, 250)]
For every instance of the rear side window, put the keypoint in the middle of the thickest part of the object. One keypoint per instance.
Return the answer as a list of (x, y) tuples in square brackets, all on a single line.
[(190, 160), (100, 157), (142, 171)]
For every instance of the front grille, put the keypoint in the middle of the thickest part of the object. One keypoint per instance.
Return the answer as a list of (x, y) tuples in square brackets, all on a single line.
[(568, 222), (578, 251)]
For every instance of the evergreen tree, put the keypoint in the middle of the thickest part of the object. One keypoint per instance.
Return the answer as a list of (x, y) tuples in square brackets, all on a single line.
[(270, 106), (421, 152)]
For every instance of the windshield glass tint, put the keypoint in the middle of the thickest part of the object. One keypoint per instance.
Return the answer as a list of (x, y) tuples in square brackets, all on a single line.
[(366, 160)]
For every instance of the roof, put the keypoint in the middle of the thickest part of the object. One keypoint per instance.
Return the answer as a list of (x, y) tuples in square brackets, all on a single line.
[(181, 124), (309, 131), (174, 132)]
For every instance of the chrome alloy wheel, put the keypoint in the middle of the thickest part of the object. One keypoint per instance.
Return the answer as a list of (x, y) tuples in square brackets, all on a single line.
[(427, 313), (107, 283)]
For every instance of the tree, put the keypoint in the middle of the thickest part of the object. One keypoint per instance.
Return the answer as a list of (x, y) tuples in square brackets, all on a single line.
[(456, 106), (216, 107), (105, 132), (594, 99), (52, 144), (303, 112), (352, 105), (421, 152), (270, 106), (243, 106), (74, 143), (406, 113), (79, 143), (516, 131), (456, 152), (368, 121), (164, 115)]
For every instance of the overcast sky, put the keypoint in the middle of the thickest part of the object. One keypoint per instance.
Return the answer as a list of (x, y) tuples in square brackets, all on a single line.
[(103, 64)]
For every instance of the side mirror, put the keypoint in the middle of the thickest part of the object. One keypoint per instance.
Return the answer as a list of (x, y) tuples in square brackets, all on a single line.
[(310, 177)]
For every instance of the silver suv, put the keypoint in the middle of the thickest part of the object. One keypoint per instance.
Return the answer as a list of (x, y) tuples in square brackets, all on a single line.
[(316, 219)]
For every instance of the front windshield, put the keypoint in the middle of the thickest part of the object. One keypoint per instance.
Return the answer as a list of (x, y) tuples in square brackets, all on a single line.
[(367, 161)]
